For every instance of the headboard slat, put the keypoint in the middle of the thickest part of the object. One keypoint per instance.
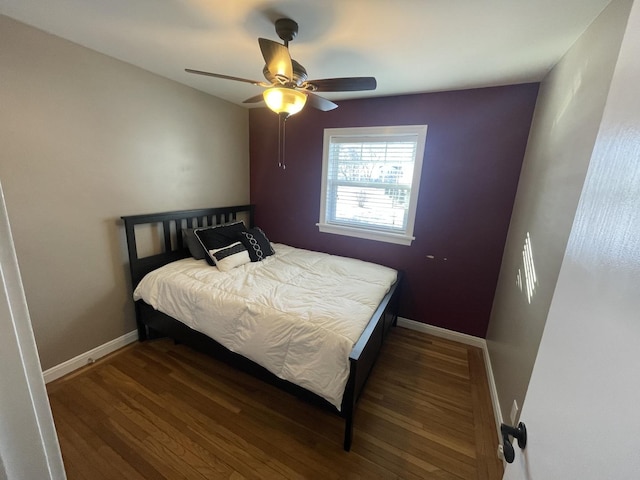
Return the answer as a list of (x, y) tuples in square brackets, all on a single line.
[(179, 226), (166, 227)]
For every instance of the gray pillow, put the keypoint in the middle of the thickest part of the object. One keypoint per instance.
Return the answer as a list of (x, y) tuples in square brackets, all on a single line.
[(193, 244)]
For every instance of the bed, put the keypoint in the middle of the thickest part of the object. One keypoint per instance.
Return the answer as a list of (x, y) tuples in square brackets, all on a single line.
[(163, 232)]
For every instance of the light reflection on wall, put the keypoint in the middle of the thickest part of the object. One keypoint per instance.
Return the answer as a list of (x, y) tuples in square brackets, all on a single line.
[(530, 280)]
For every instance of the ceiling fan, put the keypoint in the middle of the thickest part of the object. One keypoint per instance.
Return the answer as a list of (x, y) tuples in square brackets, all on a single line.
[(287, 88)]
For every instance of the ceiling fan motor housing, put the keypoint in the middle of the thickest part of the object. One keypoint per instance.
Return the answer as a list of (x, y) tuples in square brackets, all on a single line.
[(299, 74)]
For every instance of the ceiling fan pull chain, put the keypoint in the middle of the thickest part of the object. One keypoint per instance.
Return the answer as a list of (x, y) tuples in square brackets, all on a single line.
[(282, 118), (279, 141), (284, 130)]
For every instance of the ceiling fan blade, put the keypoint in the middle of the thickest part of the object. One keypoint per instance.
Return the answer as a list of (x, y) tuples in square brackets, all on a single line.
[(277, 58), (227, 77), (316, 101), (348, 84), (256, 99)]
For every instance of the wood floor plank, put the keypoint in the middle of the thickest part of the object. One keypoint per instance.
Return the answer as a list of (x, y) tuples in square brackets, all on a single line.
[(103, 431), (158, 410), (93, 450), (268, 424), (241, 457)]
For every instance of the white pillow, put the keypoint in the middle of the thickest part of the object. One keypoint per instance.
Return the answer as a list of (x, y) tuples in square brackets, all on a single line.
[(230, 257)]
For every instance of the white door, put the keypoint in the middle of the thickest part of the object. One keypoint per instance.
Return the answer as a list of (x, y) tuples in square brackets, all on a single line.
[(28, 443), (582, 408)]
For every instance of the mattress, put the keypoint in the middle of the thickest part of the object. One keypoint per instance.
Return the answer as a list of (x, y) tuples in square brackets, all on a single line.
[(297, 313)]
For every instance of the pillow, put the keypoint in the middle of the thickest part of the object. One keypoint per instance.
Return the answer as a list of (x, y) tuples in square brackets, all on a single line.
[(230, 257), (257, 244), (193, 244), (218, 236)]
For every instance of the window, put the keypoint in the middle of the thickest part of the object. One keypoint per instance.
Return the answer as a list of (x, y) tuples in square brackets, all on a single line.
[(370, 181)]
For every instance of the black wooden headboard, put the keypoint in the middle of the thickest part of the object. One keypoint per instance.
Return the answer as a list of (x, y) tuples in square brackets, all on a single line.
[(171, 242)]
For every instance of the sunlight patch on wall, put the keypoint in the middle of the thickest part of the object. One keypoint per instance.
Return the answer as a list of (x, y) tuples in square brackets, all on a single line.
[(526, 278)]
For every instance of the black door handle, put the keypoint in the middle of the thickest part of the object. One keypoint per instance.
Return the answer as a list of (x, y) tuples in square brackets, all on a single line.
[(519, 433)]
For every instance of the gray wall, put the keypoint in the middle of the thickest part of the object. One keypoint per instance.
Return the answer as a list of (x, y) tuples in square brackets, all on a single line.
[(85, 139), (568, 113)]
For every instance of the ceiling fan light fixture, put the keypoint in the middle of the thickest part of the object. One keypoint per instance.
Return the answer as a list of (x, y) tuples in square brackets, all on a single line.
[(284, 100)]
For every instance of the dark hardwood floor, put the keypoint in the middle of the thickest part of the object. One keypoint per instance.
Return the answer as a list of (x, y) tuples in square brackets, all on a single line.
[(156, 410)]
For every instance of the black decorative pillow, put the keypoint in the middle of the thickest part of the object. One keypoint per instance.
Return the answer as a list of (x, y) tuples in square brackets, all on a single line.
[(257, 244), (193, 244), (218, 236), (230, 257)]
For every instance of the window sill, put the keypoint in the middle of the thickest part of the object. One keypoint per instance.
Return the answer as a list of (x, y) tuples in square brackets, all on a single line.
[(399, 239)]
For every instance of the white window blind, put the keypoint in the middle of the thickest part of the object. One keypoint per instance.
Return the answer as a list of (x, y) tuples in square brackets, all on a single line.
[(370, 181)]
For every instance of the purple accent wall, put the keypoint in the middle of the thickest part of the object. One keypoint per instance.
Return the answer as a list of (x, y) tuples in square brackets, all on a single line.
[(475, 145)]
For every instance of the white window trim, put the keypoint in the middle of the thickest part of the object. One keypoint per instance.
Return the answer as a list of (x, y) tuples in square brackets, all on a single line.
[(369, 233)]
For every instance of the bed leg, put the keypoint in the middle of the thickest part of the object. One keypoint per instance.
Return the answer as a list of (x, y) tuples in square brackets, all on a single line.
[(348, 432), (349, 405), (143, 333)]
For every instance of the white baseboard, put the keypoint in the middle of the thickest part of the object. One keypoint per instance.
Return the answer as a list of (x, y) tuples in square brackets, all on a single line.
[(467, 340), (442, 333), (91, 356)]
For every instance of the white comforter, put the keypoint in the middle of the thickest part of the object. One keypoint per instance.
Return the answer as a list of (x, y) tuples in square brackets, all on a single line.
[(297, 313)]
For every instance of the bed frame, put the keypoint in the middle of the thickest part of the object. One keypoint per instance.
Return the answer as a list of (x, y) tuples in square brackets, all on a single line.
[(154, 324)]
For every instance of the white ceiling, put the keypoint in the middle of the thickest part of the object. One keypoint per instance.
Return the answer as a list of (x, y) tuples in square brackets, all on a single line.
[(410, 46)]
